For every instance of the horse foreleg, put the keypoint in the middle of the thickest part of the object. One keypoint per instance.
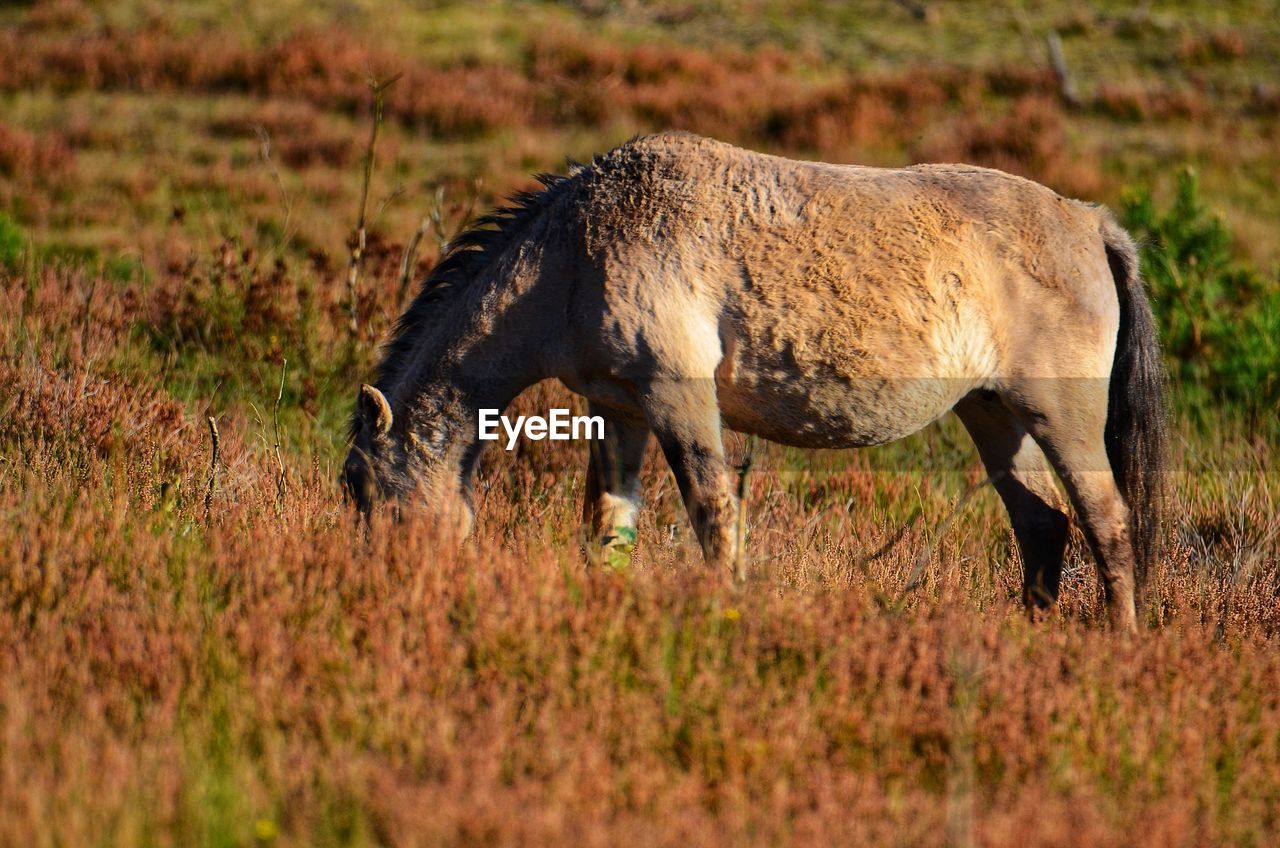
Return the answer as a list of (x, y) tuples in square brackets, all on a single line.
[(613, 488), (685, 417), (1022, 476)]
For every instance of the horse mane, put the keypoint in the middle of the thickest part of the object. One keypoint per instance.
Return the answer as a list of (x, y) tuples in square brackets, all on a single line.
[(463, 261)]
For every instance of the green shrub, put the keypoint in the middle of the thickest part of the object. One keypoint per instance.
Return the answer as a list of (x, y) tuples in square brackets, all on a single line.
[(1219, 316), (12, 243)]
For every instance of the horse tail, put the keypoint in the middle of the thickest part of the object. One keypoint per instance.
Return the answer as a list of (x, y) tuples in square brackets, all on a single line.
[(1137, 429)]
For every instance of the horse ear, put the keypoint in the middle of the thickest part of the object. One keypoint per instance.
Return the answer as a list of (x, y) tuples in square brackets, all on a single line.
[(374, 410)]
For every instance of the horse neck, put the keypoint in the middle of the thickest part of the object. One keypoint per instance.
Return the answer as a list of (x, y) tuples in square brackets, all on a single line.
[(491, 344)]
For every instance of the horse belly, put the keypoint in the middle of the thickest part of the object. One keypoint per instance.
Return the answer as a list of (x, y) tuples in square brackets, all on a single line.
[(836, 398), (835, 413)]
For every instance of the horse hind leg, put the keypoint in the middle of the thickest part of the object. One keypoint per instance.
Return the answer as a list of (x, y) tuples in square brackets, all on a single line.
[(1068, 421), (1024, 480), (613, 488)]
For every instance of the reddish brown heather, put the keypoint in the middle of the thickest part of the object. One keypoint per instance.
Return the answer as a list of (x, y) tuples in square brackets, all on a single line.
[(759, 97), (270, 672), (29, 158), (297, 132), (326, 67), (1029, 140), (269, 676), (1218, 44), (305, 88), (1137, 102)]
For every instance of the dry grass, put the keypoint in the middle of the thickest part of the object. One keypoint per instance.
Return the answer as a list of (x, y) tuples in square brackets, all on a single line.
[(24, 155), (96, 183), (270, 675)]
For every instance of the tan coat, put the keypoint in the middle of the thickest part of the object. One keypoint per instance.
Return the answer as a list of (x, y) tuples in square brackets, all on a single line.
[(682, 284)]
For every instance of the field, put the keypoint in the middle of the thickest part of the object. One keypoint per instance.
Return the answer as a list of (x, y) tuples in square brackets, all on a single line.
[(201, 649)]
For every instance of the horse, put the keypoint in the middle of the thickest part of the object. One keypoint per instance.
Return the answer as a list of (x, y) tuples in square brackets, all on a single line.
[(683, 285)]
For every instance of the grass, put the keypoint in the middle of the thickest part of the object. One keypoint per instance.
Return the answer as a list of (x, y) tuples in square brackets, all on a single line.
[(264, 673)]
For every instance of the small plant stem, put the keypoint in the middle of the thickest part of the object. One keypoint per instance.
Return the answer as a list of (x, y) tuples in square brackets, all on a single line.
[(359, 238), (264, 149), (410, 255), (215, 460), (281, 479)]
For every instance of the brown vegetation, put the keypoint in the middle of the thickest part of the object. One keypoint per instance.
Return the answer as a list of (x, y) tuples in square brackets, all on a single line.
[(722, 93), (264, 673), (25, 156), (1029, 140)]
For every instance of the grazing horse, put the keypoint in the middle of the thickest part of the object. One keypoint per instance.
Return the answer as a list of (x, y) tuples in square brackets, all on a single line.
[(683, 285)]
